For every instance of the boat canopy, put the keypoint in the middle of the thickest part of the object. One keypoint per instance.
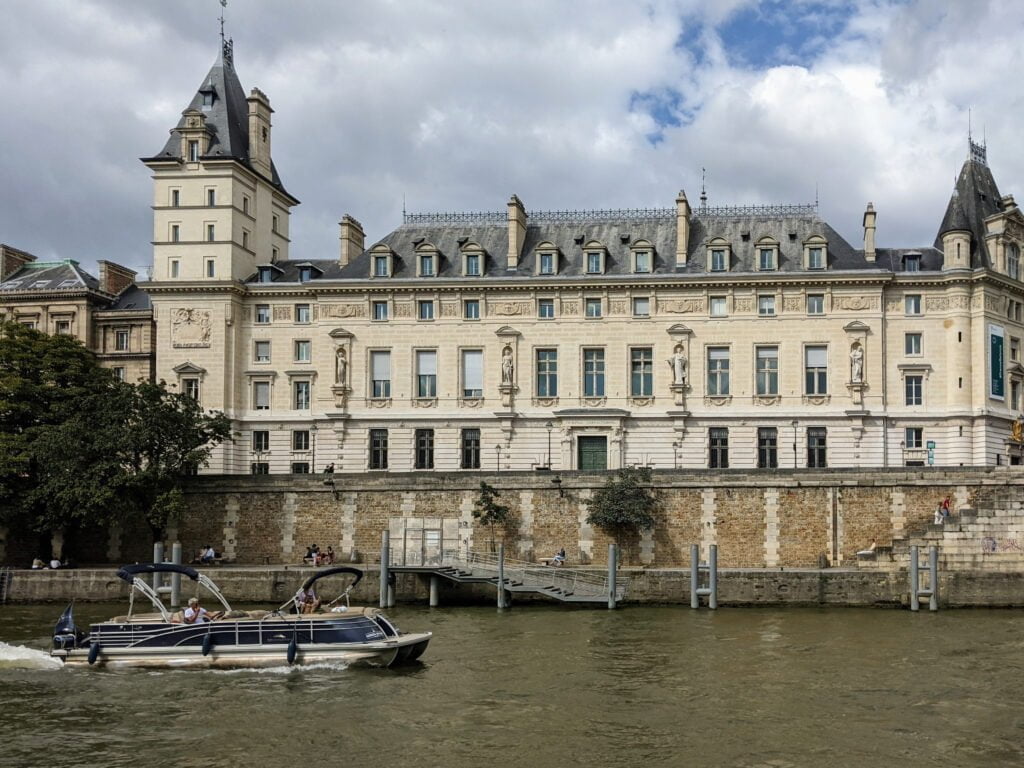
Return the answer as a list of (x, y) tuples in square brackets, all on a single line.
[(332, 571), (129, 572)]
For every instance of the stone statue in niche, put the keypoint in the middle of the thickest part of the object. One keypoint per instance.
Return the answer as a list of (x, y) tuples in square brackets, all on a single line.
[(507, 367), (678, 365), (340, 366), (857, 364)]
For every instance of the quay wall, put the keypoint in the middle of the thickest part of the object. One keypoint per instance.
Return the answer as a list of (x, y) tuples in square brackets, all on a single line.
[(789, 519), (825, 587)]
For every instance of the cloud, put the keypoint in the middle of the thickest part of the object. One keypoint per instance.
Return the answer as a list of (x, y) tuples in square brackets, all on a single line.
[(456, 105)]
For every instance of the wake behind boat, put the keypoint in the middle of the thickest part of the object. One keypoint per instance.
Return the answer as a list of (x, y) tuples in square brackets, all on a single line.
[(230, 638)]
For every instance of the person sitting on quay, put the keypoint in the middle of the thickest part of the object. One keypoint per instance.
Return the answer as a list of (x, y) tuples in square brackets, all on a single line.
[(329, 469), (38, 564), (869, 551), (208, 556), (196, 614), (328, 557), (939, 516), (54, 563), (559, 559)]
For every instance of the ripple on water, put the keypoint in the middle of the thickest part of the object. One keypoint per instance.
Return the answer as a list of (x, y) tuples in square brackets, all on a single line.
[(20, 657)]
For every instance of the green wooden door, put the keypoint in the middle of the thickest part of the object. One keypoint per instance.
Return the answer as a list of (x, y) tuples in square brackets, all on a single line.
[(593, 453)]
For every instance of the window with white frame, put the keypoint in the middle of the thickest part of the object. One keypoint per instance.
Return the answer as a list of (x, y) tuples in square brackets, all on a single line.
[(912, 262), (190, 388), (912, 344), (381, 265), (378, 449), (121, 340), (426, 373), (301, 391), (546, 262), (767, 373), (593, 373), (471, 309), (718, 371), (193, 151), (595, 262), (1013, 261), (766, 306), (260, 441), (817, 447), (303, 316), (262, 314), (119, 372), (912, 304), (913, 438), (303, 350), (264, 274), (425, 309), (815, 253), (380, 374), (547, 373), (718, 306), (261, 351), (379, 310), (62, 327), (546, 309), (718, 258), (767, 255), (175, 267), (472, 373), (641, 261), (718, 447), (427, 264), (641, 306), (816, 370), (211, 268), (473, 263), (300, 440), (641, 372), (913, 387), (592, 307), (261, 395), (815, 304)]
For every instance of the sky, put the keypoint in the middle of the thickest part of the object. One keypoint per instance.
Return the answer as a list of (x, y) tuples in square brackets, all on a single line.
[(454, 105)]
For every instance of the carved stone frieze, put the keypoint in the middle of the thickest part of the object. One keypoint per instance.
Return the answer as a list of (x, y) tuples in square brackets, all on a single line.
[(717, 399), (767, 399), (282, 312), (449, 309), (403, 309), (641, 402), (247, 313), (594, 402), (343, 310), (472, 402), (894, 305), (994, 302), (545, 402), (570, 308), (855, 303), (424, 402), (379, 402), (977, 300), (618, 307), (744, 304), (959, 302), (681, 306), (190, 328), (1014, 231), (936, 303), (816, 399), (792, 304), (509, 308)]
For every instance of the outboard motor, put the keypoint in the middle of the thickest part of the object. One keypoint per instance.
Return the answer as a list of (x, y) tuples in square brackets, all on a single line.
[(66, 634)]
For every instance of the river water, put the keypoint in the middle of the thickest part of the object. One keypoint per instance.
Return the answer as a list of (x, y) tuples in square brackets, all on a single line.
[(546, 686)]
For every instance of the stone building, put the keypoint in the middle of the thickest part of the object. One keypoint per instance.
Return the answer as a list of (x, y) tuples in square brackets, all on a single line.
[(688, 336), (110, 315)]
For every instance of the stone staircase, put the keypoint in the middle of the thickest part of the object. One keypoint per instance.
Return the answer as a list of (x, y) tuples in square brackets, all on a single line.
[(987, 537)]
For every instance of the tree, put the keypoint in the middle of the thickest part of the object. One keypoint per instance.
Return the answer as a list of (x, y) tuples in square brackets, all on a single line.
[(488, 511), (625, 504)]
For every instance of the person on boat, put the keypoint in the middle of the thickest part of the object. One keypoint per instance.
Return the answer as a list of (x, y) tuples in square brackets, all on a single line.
[(307, 600), (196, 614)]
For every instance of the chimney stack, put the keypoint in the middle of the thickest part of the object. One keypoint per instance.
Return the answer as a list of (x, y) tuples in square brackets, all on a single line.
[(682, 228), (114, 278), (352, 238), (259, 131), (869, 233), (12, 259), (516, 231)]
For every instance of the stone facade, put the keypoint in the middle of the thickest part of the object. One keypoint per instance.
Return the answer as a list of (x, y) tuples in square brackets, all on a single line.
[(747, 337)]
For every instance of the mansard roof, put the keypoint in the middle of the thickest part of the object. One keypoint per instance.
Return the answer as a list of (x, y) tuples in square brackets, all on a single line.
[(64, 275), (227, 118), (975, 197)]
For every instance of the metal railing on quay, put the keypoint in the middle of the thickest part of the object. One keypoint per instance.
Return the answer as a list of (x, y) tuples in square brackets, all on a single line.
[(570, 581)]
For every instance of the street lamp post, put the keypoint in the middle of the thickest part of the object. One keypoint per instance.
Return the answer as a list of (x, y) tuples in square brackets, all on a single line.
[(549, 426), (497, 457), (312, 432), (795, 422), (675, 455)]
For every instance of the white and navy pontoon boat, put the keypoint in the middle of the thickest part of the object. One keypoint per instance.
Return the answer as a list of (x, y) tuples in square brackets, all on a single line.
[(334, 633)]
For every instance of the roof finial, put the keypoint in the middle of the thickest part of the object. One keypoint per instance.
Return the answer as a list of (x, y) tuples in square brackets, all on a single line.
[(703, 191), (227, 47), (223, 5)]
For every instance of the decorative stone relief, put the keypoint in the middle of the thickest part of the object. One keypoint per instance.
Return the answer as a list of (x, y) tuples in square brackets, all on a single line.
[(379, 402), (894, 305), (570, 308), (316, 311), (595, 402), (977, 300), (994, 302), (681, 306), (816, 399), (743, 305), (1013, 231), (507, 308), (282, 312), (618, 307), (424, 402), (936, 303), (190, 328), (343, 310), (959, 302), (792, 304), (545, 402), (717, 399), (767, 399), (855, 303), (403, 309), (449, 309), (641, 401)]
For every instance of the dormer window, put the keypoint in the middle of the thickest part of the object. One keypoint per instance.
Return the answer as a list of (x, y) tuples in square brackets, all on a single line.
[(305, 274), (767, 255), (426, 261), (643, 257), (1013, 261), (547, 264), (912, 262), (595, 255), (815, 253), (472, 261), (719, 253), (380, 266), (193, 151), (207, 98), (265, 275)]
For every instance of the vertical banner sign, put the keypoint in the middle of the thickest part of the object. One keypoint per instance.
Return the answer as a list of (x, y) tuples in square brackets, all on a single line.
[(996, 363)]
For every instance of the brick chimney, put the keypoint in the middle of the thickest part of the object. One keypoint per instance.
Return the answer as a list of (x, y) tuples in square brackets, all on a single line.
[(869, 233), (682, 228), (114, 278), (12, 259), (516, 231), (352, 238)]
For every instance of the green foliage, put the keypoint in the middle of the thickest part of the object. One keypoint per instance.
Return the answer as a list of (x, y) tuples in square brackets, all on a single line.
[(625, 505), (488, 511), (79, 447)]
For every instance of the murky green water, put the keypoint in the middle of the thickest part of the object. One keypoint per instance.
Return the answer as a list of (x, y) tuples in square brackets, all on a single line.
[(546, 686)]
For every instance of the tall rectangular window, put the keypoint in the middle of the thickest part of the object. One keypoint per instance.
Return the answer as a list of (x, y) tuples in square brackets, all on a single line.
[(302, 314), (470, 449), (261, 351), (816, 370), (767, 371), (641, 307), (1013, 261), (718, 261), (426, 373), (193, 151), (472, 373), (275, 223), (913, 437), (190, 387), (303, 351), (641, 372), (63, 327), (815, 304), (211, 197), (912, 344), (427, 265), (262, 314), (426, 310), (261, 395), (912, 263), (718, 448), (121, 341), (175, 267), (211, 232), (594, 263), (547, 373), (300, 440), (767, 448), (300, 399), (592, 307), (245, 204), (718, 306), (593, 373), (260, 441), (378, 449), (766, 306), (545, 309), (119, 372), (718, 371), (424, 449), (815, 258), (914, 389), (471, 309), (766, 261), (816, 447), (547, 264), (643, 261), (380, 266), (175, 233), (211, 268), (379, 310), (245, 237), (473, 264), (175, 198), (380, 374), (912, 304)]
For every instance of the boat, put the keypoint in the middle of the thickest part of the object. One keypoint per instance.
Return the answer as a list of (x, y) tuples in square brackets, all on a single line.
[(335, 632)]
